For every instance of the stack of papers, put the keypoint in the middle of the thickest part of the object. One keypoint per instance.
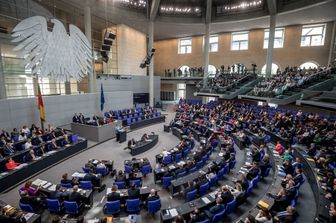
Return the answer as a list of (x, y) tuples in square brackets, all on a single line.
[(28, 216), (206, 200), (52, 188), (173, 212)]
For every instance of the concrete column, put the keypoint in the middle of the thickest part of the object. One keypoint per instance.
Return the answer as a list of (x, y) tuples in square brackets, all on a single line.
[(151, 65), (332, 51), (2, 80), (269, 57), (206, 52), (88, 33)]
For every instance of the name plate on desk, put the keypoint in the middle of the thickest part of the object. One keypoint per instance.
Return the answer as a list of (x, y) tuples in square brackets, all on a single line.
[(263, 204)]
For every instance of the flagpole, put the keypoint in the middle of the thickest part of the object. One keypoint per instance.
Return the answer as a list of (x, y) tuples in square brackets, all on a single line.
[(39, 92)]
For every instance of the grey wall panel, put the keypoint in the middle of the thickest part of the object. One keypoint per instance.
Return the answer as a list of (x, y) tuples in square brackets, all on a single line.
[(59, 109), (190, 89)]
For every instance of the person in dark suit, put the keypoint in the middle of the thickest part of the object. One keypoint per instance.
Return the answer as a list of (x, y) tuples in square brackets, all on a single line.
[(253, 171), (120, 177), (289, 215), (8, 149), (133, 192), (95, 180), (66, 180), (153, 195), (244, 182), (76, 196), (191, 186), (34, 201), (58, 194), (226, 195), (287, 167), (264, 164), (114, 195), (75, 118), (197, 216), (215, 209)]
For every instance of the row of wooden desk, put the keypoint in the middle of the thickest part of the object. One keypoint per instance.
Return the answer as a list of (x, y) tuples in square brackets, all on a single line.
[(145, 122), (11, 212), (309, 167), (143, 146), (11, 178)]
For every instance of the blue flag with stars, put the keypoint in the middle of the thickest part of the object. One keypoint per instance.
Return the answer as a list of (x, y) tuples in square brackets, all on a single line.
[(102, 98)]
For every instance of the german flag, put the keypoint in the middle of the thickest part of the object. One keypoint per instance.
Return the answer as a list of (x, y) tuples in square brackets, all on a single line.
[(40, 104)]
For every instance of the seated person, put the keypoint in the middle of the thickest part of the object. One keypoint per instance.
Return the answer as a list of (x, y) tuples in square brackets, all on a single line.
[(90, 165), (279, 148), (253, 171), (226, 195), (256, 155), (28, 144), (33, 201), (114, 195), (133, 192), (197, 216), (215, 209), (25, 130), (265, 164), (145, 137), (250, 219), (66, 180), (131, 144), (192, 185), (11, 217), (153, 195), (287, 167), (120, 177), (15, 133), (264, 216), (289, 215), (8, 149), (58, 194), (77, 197), (11, 164), (22, 136), (298, 176), (30, 190), (75, 118), (95, 180)]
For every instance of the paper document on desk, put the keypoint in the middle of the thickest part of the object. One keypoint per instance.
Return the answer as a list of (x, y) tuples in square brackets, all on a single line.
[(52, 188), (206, 200), (213, 194), (37, 182), (94, 162), (93, 221), (28, 216), (220, 154), (109, 190), (173, 212), (47, 185)]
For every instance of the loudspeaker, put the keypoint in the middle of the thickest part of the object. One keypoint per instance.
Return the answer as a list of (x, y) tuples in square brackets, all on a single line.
[(106, 47)]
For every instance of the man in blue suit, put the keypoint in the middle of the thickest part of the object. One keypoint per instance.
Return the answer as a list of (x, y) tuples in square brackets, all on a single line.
[(215, 209)]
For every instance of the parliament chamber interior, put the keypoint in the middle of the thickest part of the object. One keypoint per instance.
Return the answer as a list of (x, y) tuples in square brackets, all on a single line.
[(171, 111)]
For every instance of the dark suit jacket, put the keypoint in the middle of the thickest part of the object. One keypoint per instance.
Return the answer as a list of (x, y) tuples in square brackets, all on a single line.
[(217, 208), (31, 200), (120, 178), (113, 196), (153, 198), (75, 196), (133, 193), (57, 195), (226, 197)]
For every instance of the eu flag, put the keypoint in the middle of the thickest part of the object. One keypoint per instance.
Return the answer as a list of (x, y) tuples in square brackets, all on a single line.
[(102, 98)]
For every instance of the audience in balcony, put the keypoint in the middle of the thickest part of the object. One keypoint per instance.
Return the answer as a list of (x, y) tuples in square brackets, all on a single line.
[(290, 78)]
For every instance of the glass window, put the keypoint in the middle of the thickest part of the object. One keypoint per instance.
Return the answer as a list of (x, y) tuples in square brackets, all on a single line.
[(212, 70), (185, 45), (273, 70), (213, 41), (239, 41), (313, 35), (181, 90), (278, 38), (309, 65), (185, 70)]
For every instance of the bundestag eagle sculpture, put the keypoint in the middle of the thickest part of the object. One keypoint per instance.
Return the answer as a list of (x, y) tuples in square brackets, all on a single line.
[(53, 53)]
